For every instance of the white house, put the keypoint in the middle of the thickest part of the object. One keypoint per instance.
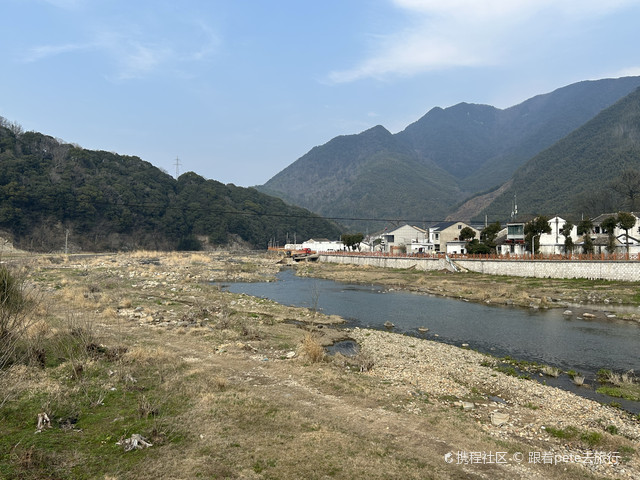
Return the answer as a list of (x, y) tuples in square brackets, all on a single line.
[(404, 237), (318, 245), (553, 243), (323, 245), (620, 235)]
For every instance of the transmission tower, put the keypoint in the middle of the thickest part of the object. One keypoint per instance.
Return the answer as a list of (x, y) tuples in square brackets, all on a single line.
[(178, 165)]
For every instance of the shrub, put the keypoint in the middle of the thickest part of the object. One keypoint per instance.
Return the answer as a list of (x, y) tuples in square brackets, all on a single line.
[(591, 438), (14, 316), (562, 433), (312, 349)]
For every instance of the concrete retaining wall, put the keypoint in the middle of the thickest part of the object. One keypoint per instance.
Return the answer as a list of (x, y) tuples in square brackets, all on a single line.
[(597, 270), (386, 262)]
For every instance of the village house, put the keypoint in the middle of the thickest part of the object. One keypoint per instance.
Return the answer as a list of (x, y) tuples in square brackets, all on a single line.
[(440, 237), (510, 240), (317, 245), (404, 239), (601, 240), (553, 243), (446, 237)]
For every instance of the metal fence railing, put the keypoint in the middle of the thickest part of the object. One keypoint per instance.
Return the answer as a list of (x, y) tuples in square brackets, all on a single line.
[(593, 257)]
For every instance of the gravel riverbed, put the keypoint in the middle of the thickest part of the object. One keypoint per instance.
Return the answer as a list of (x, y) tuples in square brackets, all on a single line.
[(464, 378)]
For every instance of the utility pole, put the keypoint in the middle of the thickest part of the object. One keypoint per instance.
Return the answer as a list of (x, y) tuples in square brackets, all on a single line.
[(66, 242)]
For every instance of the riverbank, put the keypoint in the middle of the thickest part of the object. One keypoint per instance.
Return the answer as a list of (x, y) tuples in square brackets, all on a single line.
[(601, 298), (231, 386), (529, 411)]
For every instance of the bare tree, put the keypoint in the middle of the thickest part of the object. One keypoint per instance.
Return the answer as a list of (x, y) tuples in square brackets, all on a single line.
[(628, 185), (15, 128)]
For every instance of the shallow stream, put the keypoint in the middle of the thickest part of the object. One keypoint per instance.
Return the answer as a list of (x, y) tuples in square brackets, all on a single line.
[(543, 336)]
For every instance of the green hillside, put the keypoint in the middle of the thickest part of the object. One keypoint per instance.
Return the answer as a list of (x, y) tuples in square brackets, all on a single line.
[(369, 175), (106, 201), (584, 167)]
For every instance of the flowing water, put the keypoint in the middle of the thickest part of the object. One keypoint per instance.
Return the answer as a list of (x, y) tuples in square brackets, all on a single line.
[(543, 336)]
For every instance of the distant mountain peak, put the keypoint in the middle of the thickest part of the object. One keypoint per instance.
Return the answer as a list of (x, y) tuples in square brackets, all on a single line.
[(445, 156)]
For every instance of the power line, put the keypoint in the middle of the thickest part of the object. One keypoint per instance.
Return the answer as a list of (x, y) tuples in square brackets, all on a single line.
[(309, 215)]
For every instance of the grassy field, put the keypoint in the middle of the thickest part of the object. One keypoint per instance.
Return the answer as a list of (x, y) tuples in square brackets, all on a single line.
[(221, 385)]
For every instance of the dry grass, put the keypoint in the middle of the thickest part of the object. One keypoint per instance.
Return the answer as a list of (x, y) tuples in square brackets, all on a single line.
[(199, 258), (578, 380), (551, 371), (312, 349), (109, 313), (144, 254), (148, 355)]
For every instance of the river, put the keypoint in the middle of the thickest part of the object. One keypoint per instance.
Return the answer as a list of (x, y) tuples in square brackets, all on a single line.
[(543, 336)]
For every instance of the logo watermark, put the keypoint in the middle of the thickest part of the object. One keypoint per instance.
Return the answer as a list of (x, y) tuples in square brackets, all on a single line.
[(593, 457)]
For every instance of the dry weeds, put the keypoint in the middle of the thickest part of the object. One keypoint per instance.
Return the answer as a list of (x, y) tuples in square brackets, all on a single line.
[(312, 349)]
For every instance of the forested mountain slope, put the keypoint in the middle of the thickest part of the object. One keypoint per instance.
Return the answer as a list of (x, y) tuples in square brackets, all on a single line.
[(583, 172), (369, 175), (106, 201)]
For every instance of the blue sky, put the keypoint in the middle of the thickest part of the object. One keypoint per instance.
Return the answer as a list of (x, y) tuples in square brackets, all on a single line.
[(239, 89)]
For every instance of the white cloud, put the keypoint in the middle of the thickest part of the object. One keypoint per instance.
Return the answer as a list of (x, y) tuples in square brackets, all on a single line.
[(135, 60), (209, 42), (442, 34), (131, 52), (44, 51)]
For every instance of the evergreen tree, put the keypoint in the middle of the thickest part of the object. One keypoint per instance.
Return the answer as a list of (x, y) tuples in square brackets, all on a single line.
[(609, 225), (533, 230), (568, 241), (585, 227), (626, 221)]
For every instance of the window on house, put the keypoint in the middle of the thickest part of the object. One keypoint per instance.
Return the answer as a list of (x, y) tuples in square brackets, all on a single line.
[(459, 227)]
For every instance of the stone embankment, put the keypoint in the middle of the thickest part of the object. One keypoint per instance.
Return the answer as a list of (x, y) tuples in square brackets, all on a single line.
[(440, 373), (594, 270)]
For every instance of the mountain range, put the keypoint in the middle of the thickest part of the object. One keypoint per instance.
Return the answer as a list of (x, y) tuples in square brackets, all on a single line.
[(429, 169), (574, 151)]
